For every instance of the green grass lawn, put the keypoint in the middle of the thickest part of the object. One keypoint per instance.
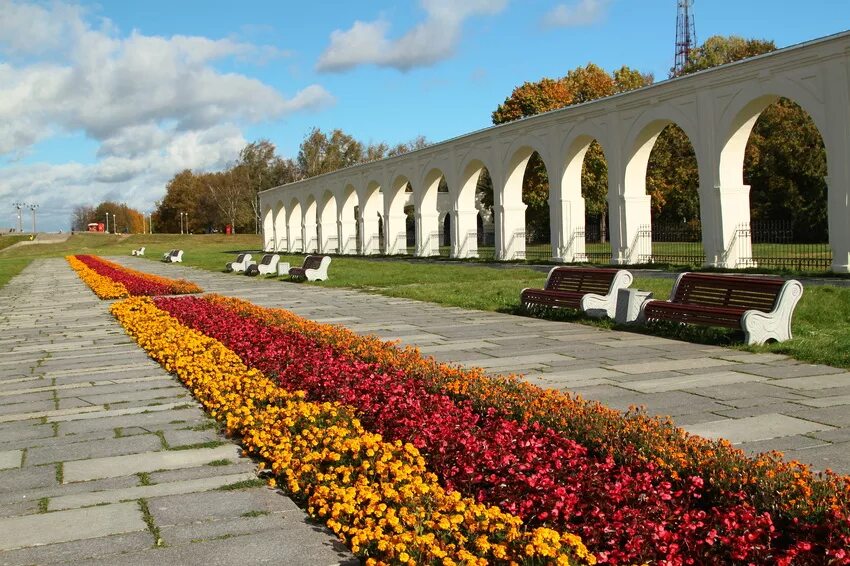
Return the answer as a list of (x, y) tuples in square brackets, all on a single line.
[(821, 323)]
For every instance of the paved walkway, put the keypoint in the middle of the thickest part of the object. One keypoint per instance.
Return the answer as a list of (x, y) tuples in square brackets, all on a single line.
[(91, 430), (106, 459)]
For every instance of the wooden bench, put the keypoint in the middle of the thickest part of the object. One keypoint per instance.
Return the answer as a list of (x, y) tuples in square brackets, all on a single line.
[(591, 289), (760, 306), (315, 268)]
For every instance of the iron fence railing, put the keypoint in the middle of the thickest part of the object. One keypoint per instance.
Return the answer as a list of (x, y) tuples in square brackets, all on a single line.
[(678, 244), (773, 245)]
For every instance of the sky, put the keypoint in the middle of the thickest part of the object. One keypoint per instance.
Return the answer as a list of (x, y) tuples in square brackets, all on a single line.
[(108, 100)]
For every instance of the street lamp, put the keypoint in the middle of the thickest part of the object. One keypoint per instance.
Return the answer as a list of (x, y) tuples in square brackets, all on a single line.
[(107, 223), (19, 206), (32, 208), (184, 224)]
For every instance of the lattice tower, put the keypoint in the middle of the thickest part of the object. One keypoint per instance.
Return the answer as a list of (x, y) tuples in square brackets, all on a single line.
[(686, 35)]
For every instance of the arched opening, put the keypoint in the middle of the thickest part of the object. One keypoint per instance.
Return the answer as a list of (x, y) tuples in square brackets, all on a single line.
[(268, 230), (672, 182), (294, 227), (444, 211), (785, 166), (410, 229), (328, 237), (473, 233), (585, 214), (522, 220), (535, 196)]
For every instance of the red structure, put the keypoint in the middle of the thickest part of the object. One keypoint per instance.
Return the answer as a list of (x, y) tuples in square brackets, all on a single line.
[(95, 227)]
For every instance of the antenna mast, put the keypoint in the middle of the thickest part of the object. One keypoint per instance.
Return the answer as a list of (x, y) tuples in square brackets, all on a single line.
[(685, 34)]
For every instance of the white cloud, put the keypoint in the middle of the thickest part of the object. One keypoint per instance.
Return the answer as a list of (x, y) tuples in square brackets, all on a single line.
[(137, 179), (581, 13), (155, 105), (428, 42)]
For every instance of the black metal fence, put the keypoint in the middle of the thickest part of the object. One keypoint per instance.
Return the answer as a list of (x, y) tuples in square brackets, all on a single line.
[(774, 245), (678, 244)]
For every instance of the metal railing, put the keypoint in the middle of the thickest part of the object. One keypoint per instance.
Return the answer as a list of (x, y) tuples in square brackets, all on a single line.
[(775, 244), (677, 244)]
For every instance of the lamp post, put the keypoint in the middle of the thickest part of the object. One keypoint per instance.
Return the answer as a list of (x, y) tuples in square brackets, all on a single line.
[(19, 206), (107, 223), (32, 208)]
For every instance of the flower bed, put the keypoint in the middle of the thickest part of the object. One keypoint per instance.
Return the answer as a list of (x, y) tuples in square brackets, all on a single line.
[(103, 287), (135, 283), (731, 517), (375, 494)]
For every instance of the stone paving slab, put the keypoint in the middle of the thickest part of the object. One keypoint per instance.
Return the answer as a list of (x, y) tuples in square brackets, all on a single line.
[(74, 524), (111, 466), (146, 491), (752, 429)]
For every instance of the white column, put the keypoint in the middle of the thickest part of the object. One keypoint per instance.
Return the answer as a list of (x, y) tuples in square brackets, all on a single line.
[(296, 238), (836, 138), (395, 233), (347, 236), (464, 233), (370, 238), (629, 219), (309, 236), (725, 218), (566, 223), (510, 231), (427, 234)]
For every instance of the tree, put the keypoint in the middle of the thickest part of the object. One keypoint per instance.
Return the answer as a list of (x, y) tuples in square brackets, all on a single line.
[(81, 217), (231, 194), (122, 218), (719, 50), (260, 168), (419, 142), (320, 153), (582, 84), (184, 193)]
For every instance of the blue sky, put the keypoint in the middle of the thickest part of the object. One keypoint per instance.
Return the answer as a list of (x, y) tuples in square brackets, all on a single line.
[(110, 99)]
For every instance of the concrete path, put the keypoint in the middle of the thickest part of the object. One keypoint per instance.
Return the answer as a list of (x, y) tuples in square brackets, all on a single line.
[(105, 458), (758, 401)]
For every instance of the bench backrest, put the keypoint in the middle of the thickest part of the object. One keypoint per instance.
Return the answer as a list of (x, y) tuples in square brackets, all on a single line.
[(312, 262), (734, 291), (240, 258), (267, 259), (581, 279)]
